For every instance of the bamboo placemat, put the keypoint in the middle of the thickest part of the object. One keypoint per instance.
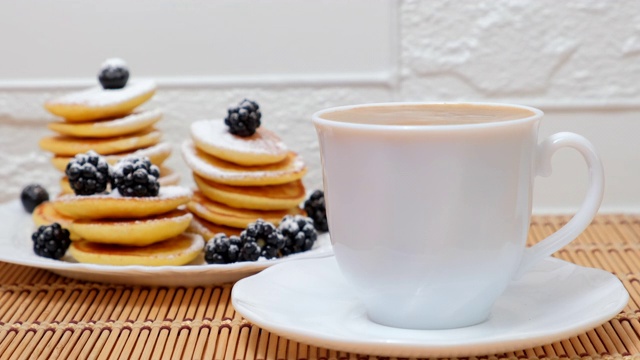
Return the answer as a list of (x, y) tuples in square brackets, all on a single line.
[(45, 316)]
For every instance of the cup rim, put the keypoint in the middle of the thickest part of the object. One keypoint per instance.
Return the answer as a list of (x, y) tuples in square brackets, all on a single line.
[(317, 116)]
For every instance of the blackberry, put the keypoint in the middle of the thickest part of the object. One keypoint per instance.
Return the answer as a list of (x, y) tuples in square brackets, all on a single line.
[(264, 234), (250, 252), (222, 249), (244, 119), (51, 241), (136, 177), (269, 252), (299, 234), (113, 74), (316, 210), (88, 173), (32, 196)]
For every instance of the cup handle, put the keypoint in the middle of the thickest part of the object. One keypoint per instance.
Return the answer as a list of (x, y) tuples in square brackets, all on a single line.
[(589, 206)]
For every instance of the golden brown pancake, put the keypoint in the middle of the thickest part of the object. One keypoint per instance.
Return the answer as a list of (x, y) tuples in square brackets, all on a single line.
[(132, 232), (157, 154), (178, 250), (70, 146), (128, 124), (209, 167), (207, 229), (98, 103), (218, 213), (269, 197), (263, 147), (115, 206)]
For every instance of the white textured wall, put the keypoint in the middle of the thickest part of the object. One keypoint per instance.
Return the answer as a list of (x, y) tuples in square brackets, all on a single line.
[(538, 50), (577, 60)]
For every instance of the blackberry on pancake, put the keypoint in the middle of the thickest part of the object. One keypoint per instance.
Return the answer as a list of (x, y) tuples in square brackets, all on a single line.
[(243, 119), (113, 74), (88, 174), (136, 177)]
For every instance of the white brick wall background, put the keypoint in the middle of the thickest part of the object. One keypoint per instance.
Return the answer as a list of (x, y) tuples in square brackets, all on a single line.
[(577, 60)]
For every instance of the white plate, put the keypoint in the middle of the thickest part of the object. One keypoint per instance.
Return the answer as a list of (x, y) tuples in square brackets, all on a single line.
[(309, 301), (16, 228)]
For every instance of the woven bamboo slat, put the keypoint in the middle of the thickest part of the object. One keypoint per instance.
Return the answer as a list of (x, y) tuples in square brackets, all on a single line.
[(45, 316)]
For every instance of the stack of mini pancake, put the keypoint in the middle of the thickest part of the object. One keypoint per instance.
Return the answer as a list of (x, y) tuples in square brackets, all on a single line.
[(240, 179), (115, 230), (107, 122)]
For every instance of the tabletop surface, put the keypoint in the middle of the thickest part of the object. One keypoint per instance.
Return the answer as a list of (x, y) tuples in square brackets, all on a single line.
[(46, 316)]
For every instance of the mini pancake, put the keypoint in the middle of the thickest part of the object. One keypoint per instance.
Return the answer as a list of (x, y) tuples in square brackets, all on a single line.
[(115, 206), (290, 169), (133, 232), (129, 124), (270, 197), (207, 229), (157, 154), (263, 147), (168, 177), (218, 213), (98, 103), (45, 214), (70, 146), (178, 250)]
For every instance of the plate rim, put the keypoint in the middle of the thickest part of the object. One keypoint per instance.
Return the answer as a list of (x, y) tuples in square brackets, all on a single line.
[(86, 268)]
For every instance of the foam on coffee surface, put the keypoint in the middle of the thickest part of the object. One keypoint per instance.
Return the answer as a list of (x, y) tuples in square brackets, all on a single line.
[(428, 114)]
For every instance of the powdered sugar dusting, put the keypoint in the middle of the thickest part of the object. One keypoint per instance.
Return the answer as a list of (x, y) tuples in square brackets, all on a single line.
[(208, 170), (128, 159), (165, 193), (215, 133), (290, 223), (162, 150), (178, 219), (83, 157), (197, 227), (137, 117), (172, 192), (99, 97), (149, 152), (67, 145), (197, 244), (114, 63), (170, 217), (199, 208)]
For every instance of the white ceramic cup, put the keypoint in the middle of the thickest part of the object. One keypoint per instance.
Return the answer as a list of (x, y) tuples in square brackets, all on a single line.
[(429, 222)]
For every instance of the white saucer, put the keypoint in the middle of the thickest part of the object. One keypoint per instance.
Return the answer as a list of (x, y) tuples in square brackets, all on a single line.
[(16, 227), (310, 302)]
